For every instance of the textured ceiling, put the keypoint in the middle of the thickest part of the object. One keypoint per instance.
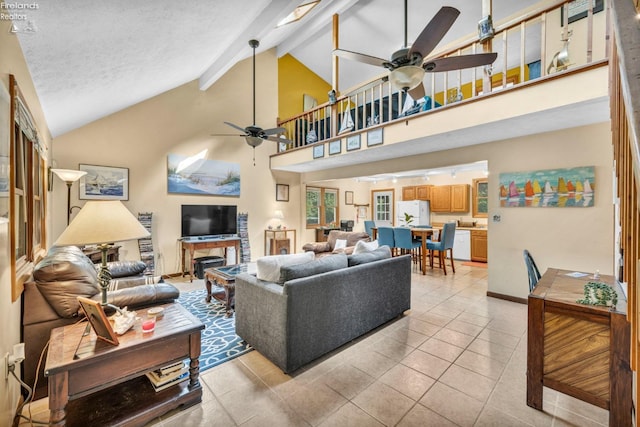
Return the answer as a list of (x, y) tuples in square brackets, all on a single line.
[(90, 59)]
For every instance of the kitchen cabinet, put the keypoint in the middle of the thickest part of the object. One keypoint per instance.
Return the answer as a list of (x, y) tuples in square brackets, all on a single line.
[(441, 198), (460, 198), (450, 198), (416, 192), (479, 250), (409, 193), (423, 192)]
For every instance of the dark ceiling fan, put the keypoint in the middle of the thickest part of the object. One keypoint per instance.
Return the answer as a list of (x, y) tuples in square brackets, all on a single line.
[(254, 135), (407, 65)]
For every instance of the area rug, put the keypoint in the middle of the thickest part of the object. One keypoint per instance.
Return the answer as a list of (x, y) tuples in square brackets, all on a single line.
[(219, 340), (475, 264)]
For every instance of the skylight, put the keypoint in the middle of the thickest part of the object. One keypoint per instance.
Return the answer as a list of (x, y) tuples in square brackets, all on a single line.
[(298, 13)]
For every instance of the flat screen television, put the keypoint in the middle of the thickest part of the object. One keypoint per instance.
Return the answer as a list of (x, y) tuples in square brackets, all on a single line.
[(209, 220)]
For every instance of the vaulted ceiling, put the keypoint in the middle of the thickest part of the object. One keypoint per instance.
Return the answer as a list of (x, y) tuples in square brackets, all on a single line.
[(90, 59)]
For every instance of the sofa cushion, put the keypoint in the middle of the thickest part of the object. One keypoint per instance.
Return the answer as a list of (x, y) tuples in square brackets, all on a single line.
[(124, 268), (363, 246), (352, 237), (318, 266), (268, 267), (382, 252)]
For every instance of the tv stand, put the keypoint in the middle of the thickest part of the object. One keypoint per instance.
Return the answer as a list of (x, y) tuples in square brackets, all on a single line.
[(207, 243)]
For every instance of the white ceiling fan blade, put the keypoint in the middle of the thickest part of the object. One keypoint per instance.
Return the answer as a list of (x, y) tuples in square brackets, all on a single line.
[(235, 126), (360, 57), (273, 131)]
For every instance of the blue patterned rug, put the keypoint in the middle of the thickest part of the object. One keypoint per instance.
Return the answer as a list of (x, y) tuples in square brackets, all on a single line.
[(219, 340)]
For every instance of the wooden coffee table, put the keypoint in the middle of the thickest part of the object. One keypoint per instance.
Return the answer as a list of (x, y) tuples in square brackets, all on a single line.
[(225, 277), (106, 384)]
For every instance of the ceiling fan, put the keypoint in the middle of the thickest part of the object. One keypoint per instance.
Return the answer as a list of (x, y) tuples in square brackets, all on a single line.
[(407, 65), (254, 135)]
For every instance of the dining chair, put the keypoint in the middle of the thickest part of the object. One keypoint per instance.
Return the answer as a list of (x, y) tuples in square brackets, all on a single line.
[(368, 227), (445, 244), (406, 243), (532, 270), (385, 237)]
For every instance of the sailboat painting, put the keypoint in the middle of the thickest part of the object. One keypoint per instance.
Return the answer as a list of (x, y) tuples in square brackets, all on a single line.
[(571, 187)]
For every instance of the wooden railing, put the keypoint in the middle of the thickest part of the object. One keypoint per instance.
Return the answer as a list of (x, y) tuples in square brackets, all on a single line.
[(625, 127), (526, 47)]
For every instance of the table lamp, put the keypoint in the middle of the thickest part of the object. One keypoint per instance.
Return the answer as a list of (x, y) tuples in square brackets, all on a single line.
[(69, 176), (279, 216), (102, 223)]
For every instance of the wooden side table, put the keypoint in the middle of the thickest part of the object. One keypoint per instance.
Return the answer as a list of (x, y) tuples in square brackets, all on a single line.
[(95, 255), (275, 241), (86, 391)]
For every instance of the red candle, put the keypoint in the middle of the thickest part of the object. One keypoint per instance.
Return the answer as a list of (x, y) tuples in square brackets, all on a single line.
[(149, 325)]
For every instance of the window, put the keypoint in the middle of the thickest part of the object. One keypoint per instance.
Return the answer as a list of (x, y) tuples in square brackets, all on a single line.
[(322, 207), (480, 198), (27, 200)]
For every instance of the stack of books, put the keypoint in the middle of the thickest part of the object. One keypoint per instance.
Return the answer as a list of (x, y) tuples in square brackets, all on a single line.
[(169, 375)]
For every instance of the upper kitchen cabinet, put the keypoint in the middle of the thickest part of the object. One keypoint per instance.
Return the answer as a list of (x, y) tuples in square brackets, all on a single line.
[(416, 192), (450, 198)]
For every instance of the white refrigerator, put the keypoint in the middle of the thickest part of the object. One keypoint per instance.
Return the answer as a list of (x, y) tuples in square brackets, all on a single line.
[(419, 209)]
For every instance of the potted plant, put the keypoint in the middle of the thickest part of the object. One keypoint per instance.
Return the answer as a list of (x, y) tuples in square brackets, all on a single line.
[(408, 218)]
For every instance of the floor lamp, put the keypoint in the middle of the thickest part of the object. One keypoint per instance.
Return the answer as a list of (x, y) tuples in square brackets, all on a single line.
[(69, 176), (102, 223)]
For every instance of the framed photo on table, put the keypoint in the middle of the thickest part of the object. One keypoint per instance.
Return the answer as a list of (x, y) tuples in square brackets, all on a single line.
[(98, 320), (104, 183), (282, 193)]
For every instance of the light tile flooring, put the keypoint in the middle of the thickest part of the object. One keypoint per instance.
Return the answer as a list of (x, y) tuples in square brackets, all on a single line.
[(457, 358)]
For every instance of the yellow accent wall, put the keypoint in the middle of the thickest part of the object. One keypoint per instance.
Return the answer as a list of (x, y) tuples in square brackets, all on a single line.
[(295, 80)]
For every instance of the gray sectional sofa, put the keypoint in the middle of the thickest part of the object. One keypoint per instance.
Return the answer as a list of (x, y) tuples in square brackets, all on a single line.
[(321, 305)]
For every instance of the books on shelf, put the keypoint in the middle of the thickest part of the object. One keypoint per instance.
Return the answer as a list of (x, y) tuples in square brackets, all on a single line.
[(169, 375)]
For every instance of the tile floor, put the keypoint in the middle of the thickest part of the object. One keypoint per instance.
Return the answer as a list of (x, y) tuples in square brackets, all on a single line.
[(457, 358)]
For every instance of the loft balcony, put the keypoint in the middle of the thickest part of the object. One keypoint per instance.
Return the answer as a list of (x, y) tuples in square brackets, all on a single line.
[(550, 74)]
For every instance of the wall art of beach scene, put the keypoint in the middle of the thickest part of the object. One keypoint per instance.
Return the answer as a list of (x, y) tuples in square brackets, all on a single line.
[(573, 187), (197, 175)]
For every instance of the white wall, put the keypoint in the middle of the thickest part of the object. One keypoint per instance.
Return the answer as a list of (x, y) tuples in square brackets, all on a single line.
[(572, 238)]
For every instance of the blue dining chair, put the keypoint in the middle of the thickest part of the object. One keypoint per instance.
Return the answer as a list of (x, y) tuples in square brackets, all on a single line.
[(445, 244), (368, 227), (385, 237), (404, 242), (532, 270)]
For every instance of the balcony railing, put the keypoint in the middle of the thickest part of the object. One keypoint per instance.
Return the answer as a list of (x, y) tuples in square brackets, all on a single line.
[(532, 46)]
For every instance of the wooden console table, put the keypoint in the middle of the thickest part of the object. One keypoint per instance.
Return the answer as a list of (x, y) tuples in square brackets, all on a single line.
[(576, 349), (193, 245), (275, 239), (106, 384)]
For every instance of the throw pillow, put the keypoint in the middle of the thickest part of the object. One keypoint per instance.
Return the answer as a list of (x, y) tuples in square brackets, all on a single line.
[(340, 244), (268, 267), (318, 266), (382, 252), (363, 246)]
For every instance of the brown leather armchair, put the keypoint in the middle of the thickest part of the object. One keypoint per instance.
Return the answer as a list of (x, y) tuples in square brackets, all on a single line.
[(50, 299)]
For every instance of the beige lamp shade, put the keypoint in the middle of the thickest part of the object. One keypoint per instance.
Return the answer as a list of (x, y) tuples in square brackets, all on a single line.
[(68, 175), (100, 222), (278, 215)]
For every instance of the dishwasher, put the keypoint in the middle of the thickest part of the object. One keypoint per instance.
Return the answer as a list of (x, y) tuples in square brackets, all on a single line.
[(462, 245)]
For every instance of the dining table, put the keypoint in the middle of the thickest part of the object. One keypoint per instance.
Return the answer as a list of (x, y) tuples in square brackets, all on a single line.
[(416, 232), (577, 348)]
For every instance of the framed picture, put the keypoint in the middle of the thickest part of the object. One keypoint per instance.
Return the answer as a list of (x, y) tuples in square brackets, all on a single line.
[(318, 151), (353, 142), (348, 197), (282, 193), (578, 9), (374, 137), (335, 147), (98, 320), (104, 183), (193, 175)]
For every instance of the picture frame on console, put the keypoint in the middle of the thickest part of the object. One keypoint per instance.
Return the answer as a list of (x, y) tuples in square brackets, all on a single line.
[(104, 183)]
